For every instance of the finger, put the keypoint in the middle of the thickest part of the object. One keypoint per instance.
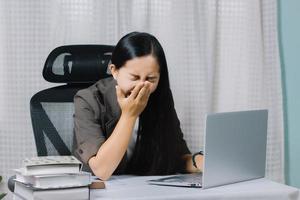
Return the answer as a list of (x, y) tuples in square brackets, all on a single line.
[(119, 92), (147, 91), (144, 93), (136, 90)]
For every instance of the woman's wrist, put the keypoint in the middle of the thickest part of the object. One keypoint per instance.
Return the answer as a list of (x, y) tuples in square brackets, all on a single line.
[(197, 159), (131, 118)]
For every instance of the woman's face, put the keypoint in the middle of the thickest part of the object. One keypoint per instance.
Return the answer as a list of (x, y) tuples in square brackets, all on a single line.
[(139, 69)]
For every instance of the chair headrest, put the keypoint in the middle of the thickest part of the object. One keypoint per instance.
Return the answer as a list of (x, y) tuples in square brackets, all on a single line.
[(77, 63)]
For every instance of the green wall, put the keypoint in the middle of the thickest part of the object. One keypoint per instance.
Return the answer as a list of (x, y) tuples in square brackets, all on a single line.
[(289, 37)]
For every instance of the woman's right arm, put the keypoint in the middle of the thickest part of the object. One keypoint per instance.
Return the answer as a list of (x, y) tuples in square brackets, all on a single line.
[(111, 152)]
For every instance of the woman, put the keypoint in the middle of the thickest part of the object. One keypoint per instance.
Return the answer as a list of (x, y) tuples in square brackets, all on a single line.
[(127, 124)]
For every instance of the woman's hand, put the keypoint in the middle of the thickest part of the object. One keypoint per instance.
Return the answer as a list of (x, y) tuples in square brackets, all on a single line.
[(111, 152), (135, 103), (199, 162), (190, 168)]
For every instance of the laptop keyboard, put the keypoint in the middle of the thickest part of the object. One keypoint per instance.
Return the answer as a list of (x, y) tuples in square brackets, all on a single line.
[(190, 178), (183, 178)]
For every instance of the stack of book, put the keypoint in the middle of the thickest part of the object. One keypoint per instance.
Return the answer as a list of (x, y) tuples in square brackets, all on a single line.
[(52, 177)]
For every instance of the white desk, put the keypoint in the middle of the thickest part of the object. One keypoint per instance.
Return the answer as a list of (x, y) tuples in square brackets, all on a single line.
[(135, 187)]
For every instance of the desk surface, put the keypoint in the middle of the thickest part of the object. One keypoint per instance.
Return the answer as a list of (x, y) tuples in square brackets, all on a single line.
[(136, 187)]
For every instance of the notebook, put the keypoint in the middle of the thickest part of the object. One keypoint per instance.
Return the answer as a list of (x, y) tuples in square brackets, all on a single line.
[(51, 165), (23, 191), (234, 151), (47, 181)]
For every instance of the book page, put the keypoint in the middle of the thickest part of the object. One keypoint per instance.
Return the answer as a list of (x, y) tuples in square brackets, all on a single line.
[(50, 160)]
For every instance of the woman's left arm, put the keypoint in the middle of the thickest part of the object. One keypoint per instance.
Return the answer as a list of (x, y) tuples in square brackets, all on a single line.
[(189, 166), (184, 151)]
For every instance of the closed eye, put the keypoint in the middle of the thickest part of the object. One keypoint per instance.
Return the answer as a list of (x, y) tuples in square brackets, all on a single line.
[(151, 79), (134, 77)]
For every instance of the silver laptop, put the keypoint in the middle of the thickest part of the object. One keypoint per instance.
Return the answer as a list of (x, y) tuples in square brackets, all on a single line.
[(234, 151)]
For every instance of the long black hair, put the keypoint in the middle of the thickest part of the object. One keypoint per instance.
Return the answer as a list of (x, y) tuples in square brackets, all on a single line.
[(156, 151)]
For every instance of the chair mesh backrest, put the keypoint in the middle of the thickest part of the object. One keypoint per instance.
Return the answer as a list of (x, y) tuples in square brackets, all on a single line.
[(52, 109), (60, 114), (52, 120)]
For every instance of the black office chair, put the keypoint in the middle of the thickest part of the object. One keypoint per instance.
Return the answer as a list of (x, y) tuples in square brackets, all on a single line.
[(52, 109)]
